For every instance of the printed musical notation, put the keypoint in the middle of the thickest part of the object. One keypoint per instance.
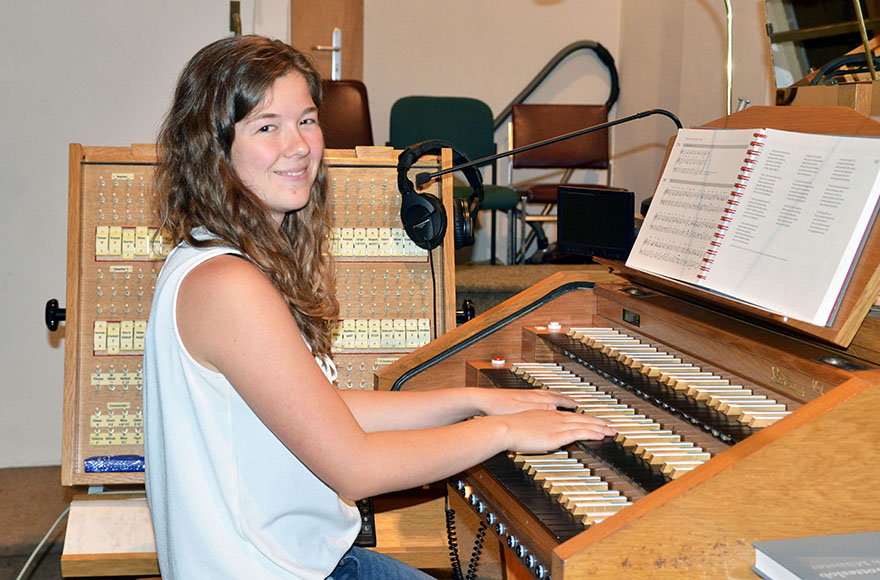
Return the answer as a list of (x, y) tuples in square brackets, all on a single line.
[(684, 226), (692, 160), (694, 196), (673, 252)]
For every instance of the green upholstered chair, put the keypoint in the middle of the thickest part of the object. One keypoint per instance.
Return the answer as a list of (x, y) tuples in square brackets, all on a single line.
[(467, 123)]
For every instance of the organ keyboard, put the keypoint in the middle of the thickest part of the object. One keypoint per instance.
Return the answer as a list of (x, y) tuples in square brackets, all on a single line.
[(695, 474), (733, 426)]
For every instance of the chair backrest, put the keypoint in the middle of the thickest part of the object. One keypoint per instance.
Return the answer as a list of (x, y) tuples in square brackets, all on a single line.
[(345, 115), (465, 122), (534, 123)]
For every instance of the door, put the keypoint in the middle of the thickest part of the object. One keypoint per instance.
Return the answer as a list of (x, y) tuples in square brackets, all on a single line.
[(311, 31)]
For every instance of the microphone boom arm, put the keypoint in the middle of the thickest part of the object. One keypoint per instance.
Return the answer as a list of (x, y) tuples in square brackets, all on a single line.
[(423, 178)]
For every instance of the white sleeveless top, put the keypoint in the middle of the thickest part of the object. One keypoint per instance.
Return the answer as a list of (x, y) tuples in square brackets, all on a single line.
[(227, 498)]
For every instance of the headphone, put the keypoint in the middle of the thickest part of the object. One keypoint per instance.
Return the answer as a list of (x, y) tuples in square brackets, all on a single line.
[(422, 214)]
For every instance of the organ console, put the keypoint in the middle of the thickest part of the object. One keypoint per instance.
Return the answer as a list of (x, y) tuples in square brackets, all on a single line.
[(734, 425)]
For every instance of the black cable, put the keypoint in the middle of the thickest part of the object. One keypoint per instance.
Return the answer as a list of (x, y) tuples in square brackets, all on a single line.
[(831, 77), (455, 561), (452, 541), (835, 67), (478, 548)]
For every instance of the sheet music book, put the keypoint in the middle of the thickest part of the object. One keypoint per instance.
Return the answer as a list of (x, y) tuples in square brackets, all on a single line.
[(772, 218)]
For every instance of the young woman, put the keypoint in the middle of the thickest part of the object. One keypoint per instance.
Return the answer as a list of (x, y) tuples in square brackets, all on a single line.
[(253, 457)]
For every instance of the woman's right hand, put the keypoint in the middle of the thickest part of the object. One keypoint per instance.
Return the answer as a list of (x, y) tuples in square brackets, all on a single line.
[(539, 431)]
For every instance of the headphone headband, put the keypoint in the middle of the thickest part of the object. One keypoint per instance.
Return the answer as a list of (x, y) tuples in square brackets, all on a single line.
[(413, 153)]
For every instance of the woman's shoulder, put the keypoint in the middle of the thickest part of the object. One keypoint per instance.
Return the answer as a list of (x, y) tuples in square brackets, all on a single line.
[(226, 274), (223, 300)]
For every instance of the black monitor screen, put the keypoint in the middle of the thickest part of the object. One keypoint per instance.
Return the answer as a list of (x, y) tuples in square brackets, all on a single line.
[(596, 221)]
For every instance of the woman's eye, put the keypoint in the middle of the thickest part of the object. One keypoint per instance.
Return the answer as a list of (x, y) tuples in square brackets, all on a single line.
[(266, 128)]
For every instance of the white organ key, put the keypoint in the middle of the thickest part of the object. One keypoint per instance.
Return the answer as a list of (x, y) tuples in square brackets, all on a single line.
[(669, 378), (675, 469), (560, 487), (653, 370), (716, 400), (631, 440), (647, 449), (523, 457), (661, 457), (703, 392), (605, 411), (632, 422), (637, 362), (756, 419), (735, 409)]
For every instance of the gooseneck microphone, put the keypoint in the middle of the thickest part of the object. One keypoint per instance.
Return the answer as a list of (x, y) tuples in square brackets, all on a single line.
[(423, 178)]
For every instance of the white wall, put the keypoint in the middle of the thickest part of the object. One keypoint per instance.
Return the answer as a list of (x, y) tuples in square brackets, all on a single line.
[(96, 72), (669, 53), (673, 56), (99, 72), (483, 49), (489, 51)]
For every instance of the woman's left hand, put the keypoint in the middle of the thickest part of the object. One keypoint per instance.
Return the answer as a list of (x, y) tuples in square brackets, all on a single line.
[(506, 401)]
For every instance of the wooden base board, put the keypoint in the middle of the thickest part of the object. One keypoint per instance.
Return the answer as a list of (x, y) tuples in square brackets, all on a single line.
[(113, 535)]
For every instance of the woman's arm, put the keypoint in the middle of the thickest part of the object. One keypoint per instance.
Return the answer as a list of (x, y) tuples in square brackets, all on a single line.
[(233, 320), (386, 410)]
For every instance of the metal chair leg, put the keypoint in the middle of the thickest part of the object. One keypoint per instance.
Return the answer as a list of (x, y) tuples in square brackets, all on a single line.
[(511, 237), (492, 259)]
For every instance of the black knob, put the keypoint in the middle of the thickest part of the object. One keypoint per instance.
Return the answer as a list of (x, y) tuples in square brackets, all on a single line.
[(54, 314), (468, 311)]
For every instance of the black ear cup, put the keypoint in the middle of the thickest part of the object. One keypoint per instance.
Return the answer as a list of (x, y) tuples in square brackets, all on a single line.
[(464, 223), (422, 214), (423, 219)]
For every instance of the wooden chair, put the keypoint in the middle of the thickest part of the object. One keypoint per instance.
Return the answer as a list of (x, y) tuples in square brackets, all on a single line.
[(345, 115), (531, 123)]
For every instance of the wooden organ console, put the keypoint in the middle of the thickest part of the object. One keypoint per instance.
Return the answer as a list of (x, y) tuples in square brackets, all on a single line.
[(734, 425)]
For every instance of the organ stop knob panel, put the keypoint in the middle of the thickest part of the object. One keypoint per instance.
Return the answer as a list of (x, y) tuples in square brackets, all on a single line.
[(394, 296)]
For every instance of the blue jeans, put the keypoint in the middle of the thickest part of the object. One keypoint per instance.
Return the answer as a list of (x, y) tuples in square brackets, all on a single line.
[(362, 564)]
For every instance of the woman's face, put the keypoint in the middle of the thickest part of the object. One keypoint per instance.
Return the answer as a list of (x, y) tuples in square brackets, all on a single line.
[(278, 147)]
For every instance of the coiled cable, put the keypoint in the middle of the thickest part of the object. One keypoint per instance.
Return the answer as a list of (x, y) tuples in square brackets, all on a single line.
[(452, 540), (475, 557)]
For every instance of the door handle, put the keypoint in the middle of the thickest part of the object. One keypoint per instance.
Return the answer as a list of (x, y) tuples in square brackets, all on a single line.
[(336, 56)]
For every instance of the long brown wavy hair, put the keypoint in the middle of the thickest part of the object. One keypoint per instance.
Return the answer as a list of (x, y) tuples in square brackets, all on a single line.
[(197, 185)]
